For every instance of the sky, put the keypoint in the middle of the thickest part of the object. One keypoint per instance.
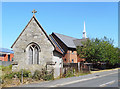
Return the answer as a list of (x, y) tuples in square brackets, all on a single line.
[(101, 19)]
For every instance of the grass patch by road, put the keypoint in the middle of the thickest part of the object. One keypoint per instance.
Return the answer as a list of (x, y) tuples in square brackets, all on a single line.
[(104, 70), (82, 73)]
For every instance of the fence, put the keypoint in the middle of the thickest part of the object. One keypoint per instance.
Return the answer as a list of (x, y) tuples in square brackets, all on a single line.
[(5, 63), (83, 67), (70, 65)]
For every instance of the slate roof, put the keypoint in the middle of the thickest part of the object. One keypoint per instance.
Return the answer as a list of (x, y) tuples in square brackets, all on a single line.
[(58, 48), (78, 42), (5, 50), (70, 42)]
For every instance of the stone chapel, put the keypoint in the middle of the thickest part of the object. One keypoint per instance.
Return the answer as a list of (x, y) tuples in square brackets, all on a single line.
[(33, 49)]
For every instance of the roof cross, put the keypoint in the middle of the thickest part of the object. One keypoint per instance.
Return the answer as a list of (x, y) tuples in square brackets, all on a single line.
[(34, 12)]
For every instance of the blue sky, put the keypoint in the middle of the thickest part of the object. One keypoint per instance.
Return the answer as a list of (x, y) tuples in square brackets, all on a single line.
[(67, 18)]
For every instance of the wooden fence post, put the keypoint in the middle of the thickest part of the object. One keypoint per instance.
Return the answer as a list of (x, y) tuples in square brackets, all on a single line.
[(89, 68)]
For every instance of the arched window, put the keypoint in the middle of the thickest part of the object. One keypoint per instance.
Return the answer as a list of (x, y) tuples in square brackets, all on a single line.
[(33, 53)]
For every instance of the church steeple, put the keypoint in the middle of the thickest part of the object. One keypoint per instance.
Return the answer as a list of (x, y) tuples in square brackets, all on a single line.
[(84, 32)]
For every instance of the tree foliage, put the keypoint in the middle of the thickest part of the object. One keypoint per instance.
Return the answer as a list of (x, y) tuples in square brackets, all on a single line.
[(99, 50)]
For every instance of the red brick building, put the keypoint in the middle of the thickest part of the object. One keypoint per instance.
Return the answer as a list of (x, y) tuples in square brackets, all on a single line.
[(6, 54), (68, 45)]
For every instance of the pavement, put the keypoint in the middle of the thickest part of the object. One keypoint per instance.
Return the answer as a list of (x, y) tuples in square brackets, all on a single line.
[(107, 78)]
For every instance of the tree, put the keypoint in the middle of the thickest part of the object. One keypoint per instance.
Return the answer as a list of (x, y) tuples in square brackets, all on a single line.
[(99, 50)]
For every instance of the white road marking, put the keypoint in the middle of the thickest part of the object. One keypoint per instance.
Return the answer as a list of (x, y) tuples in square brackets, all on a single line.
[(81, 80), (111, 82)]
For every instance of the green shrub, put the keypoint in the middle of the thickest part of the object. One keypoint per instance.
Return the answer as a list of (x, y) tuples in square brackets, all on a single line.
[(37, 75), (6, 68), (43, 75), (1, 81), (26, 73), (10, 66), (9, 76), (48, 77), (69, 73)]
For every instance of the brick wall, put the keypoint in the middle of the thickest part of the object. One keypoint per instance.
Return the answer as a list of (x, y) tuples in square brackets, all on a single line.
[(70, 57), (5, 57)]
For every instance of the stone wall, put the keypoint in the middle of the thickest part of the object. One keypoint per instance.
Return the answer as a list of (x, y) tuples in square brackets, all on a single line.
[(33, 33)]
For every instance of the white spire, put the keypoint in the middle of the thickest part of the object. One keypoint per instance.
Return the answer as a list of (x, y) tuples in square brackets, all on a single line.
[(84, 32)]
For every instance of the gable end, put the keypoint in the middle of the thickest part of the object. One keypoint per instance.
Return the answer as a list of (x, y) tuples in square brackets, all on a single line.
[(39, 26)]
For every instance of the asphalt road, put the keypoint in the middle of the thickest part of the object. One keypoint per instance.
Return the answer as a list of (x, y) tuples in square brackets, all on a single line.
[(105, 81), (101, 79)]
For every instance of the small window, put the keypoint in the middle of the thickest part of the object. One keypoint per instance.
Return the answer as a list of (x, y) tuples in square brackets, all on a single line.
[(65, 59), (8, 57), (72, 60), (72, 52), (12, 59), (2, 55)]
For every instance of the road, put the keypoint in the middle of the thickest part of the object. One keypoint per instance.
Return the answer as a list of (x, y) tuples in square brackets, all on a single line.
[(101, 79)]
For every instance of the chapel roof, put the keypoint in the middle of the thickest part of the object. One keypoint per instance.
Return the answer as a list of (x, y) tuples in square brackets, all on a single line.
[(70, 42)]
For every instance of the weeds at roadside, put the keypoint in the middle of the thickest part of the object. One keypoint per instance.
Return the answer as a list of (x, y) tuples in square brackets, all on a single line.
[(10, 78)]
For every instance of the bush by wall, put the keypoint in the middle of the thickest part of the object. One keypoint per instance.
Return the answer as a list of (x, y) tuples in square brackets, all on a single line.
[(43, 75), (26, 73)]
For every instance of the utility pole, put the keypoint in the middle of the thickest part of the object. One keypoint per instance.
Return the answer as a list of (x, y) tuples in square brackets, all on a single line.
[(22, 76)]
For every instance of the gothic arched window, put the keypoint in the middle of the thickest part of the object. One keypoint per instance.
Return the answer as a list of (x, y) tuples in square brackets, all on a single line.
[(33, 53)]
